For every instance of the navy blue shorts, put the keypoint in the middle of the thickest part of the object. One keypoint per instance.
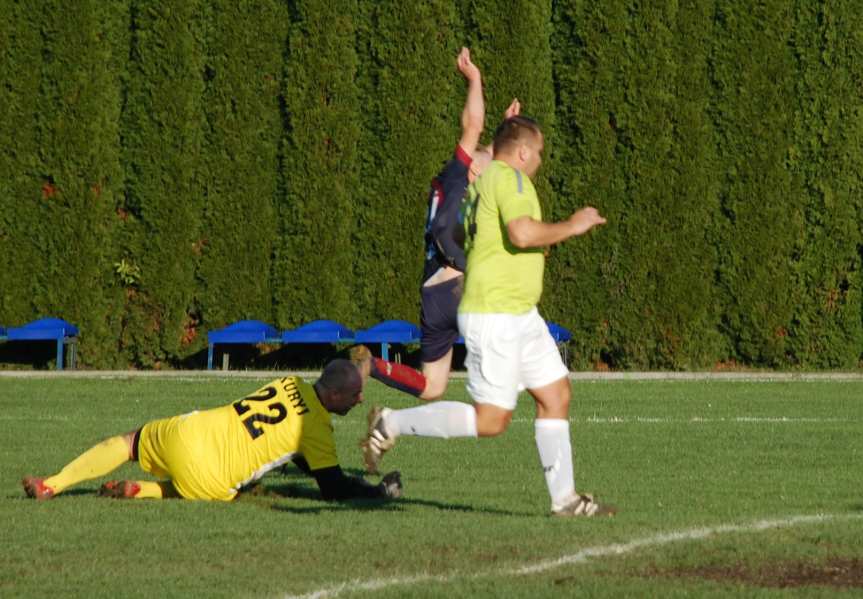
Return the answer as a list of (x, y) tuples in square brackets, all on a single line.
[(439, 318)]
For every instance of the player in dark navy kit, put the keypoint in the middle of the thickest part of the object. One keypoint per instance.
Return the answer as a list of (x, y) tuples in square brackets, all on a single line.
[(443, 272)]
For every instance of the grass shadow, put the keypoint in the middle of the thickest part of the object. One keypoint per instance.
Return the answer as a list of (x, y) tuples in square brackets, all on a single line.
[(275, 495), (67, 493)]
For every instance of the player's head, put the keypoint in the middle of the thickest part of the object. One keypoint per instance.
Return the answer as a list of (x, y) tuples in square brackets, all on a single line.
[(519, 142), (340, 386), (481, 159)]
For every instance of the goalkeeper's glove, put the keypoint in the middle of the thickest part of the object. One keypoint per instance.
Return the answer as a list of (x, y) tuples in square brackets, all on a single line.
[(391, 485)]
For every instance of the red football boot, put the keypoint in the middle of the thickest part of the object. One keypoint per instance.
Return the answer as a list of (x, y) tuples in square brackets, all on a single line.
[(120, 489), (36, 488)]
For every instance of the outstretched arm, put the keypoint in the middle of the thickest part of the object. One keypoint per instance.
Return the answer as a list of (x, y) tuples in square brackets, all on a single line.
[(336, 485), (473, 114), (525, 232)]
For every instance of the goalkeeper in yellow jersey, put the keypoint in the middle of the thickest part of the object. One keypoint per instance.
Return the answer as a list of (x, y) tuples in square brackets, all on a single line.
[(214, 454)]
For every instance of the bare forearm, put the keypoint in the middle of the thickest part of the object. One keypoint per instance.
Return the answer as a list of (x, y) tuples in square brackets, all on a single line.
[(527, 233)]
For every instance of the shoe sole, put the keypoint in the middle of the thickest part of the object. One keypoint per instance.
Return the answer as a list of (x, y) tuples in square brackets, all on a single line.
[(371, 456)]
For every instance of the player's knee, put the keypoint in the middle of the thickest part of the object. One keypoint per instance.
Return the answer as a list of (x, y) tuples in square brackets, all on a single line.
[(564, 398), (558, 405), (491, 429), (491, 425)]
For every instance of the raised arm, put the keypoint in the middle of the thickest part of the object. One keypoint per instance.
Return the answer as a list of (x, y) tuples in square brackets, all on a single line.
[(473, 114), (525, 232)]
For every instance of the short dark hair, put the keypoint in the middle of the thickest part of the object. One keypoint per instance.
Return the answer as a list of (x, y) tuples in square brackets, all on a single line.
[(339, 375), (514, 130)]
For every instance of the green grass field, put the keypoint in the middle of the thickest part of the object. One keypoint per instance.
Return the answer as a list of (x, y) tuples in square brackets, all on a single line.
[(724, 488)]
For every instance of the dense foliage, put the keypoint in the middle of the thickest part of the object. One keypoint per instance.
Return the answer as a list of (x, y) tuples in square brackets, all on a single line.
[(167, 168)]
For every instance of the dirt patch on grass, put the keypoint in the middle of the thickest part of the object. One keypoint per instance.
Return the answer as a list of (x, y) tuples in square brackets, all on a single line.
[(835, 572)]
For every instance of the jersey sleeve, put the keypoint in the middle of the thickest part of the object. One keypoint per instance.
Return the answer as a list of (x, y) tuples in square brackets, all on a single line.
[(317, 445), (336, 485), (516, 196), (455, 170)]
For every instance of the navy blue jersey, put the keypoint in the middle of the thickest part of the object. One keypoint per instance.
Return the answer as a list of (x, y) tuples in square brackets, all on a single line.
[(447, 190)]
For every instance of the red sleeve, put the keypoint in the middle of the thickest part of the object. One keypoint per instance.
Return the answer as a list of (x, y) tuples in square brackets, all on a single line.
[(462, 156)]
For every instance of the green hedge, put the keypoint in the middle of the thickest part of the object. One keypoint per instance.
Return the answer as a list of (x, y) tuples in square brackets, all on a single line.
[(411, 105), (312, 268), (825, 330), (21, 196), (242, 185), (168, 167), (166, 178), (634, 117), (62, 166)]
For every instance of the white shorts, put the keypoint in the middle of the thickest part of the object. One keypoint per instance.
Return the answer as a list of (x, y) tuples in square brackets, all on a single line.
[(506, 353)]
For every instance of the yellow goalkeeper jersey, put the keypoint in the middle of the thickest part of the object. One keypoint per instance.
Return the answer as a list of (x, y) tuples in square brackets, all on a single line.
[(213, 453)]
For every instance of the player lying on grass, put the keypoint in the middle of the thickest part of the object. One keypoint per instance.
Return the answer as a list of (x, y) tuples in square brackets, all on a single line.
[(214, 454), (443, 272)]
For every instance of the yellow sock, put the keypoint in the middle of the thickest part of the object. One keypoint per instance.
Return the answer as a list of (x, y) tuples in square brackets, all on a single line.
[(93, 463), (149, 490)]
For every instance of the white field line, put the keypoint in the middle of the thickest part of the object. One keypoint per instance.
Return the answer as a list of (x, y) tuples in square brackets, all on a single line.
[(698, 420), (579, 557), (574, 420)]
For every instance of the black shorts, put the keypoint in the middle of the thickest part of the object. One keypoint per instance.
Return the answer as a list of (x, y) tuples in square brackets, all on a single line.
[(439, 318)]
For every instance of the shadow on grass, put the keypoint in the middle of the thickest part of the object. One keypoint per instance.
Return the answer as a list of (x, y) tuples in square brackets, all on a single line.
[(20, 494), (274, 496), (297, 485)]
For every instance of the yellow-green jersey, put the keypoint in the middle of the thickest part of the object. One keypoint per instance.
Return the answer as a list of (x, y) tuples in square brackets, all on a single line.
[(500, 277), (212, 454)]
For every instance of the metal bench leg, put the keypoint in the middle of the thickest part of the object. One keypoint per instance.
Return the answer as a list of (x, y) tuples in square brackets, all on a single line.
[(73, 353)]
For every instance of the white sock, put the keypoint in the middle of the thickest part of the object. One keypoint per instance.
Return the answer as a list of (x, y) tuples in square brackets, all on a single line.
[(555, 455), (443, 419)]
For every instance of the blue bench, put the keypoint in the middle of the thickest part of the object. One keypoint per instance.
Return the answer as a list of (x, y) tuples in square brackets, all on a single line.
[(389, 332), (252, 332), (560, 335), (241, 332), (61, 332), (319, 331)]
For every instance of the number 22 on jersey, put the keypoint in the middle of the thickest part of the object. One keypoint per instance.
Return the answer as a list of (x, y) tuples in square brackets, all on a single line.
[(254, 422)]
